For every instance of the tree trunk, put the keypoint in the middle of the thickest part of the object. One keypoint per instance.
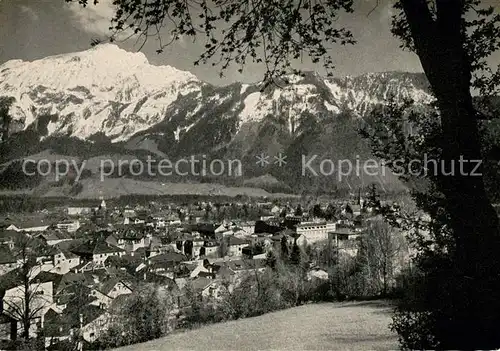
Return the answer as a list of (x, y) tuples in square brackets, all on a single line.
[(26, 315), (439, 43), (473, 219)]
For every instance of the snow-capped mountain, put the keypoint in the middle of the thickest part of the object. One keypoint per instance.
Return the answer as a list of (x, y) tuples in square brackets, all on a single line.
[(109, 90), (105, 89), (109, 93)]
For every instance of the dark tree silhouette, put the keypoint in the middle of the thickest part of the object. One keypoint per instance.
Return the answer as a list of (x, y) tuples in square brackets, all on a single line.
[(295, 255), (373, 199), (298, 210), (284, 248), (317, 212), (331, 212)]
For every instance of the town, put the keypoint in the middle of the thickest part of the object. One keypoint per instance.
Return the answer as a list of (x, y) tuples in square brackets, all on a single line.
[(65, 271)]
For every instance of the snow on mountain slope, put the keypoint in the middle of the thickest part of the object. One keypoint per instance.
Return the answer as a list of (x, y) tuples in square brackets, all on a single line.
[(314, 94), (104, 89), (118, 93), (167, 112), (363, 92)]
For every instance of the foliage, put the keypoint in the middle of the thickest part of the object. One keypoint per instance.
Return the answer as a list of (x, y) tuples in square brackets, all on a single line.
[(332, 213), (317, 211), (432, 238), (381, 255), (285, 30), (143, 316), (284, 253), (298, 210), (415, 329)]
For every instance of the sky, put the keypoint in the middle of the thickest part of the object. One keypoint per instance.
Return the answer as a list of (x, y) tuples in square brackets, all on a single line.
[(33, 29)]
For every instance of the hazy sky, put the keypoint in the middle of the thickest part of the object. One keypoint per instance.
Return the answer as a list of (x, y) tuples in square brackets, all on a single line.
[(31, 29)]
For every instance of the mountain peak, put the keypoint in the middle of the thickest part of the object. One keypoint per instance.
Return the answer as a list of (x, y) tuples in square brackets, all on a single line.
[(108, 52), (105, 65), (101, 83)]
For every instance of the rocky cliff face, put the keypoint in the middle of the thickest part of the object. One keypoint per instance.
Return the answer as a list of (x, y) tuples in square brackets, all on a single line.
[(108, 93)]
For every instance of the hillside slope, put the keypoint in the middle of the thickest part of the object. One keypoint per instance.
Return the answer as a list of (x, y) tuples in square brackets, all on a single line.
[(328, 326)]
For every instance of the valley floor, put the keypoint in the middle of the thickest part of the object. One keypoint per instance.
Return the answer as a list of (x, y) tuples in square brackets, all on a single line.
[(326, 326)]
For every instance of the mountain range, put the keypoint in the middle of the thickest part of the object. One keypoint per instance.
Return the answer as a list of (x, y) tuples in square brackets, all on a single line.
[(110, 103)]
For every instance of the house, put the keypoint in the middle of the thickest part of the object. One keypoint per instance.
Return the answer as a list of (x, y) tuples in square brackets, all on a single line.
[(184, 244), (235, 246), (8, 237), (247, 227), (210, 249), (341, 235), (65, 260), (315, 231), (86, 229), (101, 300), (97, 325), (197, 247), (115, 287), (164, 264), (345, 240), (73, 296), (8, 325), (108, 291), (233, 271), (35, 224), (97, 251), (53, 237), (134, 220), (223, 227), (195, 268), (130, 238), (68, 225), (172, 220), (61, 326), (356, 210), (207, 289), (78, 211), (129, 213), (127, 262), (159, 222), (74, 279), (56, 328), (7, 261), (275, 210)]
